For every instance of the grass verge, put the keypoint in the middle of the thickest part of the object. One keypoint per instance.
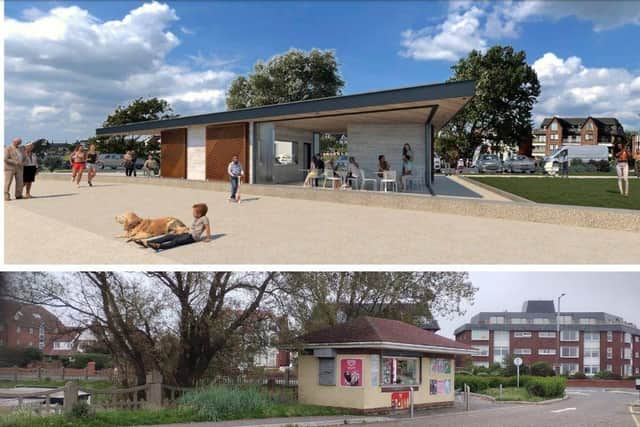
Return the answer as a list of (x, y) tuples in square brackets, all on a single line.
[(513, 394), (578, 192)]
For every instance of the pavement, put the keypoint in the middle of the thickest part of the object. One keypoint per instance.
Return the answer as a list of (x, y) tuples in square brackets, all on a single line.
[(584, 407), (68, 225)]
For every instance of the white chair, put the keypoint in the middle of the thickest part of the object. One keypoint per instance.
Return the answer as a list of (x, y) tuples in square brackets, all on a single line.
[(417, 178), (374, 181), (330, 177), (355, 179), (389, 177)]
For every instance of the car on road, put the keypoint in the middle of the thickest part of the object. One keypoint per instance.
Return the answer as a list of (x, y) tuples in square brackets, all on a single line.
[(437, 162), (519, 163), (110, 160), (489, 163)]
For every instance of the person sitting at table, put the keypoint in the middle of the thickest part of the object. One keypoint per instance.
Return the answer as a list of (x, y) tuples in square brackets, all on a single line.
[(353, 172), (313, 172), (383, 165)]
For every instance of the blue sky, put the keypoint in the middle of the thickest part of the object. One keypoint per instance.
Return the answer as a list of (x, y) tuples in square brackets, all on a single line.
[(68, 64)]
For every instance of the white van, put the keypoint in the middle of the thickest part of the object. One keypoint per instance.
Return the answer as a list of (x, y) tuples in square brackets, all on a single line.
[(586, 153)]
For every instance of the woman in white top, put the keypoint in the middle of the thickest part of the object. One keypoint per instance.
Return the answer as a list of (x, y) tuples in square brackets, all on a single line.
[(30, 167)]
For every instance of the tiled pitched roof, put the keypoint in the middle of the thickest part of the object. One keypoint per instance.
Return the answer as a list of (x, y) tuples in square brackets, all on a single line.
[(28, 315), (373, 329)]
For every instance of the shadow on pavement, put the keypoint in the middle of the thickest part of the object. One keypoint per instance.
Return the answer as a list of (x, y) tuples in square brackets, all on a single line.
[(251, 199), (51, 196)]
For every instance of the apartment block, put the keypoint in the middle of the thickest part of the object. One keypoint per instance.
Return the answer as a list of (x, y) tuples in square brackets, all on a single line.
[(561, 131), (588, 342)]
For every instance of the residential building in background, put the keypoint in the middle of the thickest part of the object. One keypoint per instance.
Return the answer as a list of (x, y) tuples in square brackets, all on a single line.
[(557, 131), (589, 342), (635, 143)]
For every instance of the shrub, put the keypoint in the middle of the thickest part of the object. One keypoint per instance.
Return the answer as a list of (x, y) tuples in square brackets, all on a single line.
[(541, 369), (607, 375), (52, 163), (218, 403), (578, 376), (80, 360), (547, 387), (21, 357), (82, 409)]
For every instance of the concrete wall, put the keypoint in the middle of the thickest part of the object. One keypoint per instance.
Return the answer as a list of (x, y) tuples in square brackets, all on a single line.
[(366, 142), (368, 396), (291, 173), (263, 140), (196, 153)]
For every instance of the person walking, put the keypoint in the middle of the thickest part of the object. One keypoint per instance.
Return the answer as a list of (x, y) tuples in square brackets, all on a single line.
[(79, 164), (150, 166), (236, 173), (622, 168), (564, 163), (92, 160), (12, 164), (72, 157), (134, 158), (30, 168)]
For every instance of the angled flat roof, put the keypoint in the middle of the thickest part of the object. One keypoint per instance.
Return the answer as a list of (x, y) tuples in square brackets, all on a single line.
[(449, 98)]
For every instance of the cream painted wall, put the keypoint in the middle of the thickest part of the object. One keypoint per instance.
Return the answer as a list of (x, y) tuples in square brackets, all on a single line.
[(196, 153), (367, 141), (291, 173), (366, 397)]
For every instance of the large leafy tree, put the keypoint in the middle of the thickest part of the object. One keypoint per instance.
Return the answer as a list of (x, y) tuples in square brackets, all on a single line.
[(318, 299), (139, 110), (506, 90), (292, 76)]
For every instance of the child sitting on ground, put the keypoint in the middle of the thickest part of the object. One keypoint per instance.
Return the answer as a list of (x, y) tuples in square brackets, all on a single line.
[(200, 231)]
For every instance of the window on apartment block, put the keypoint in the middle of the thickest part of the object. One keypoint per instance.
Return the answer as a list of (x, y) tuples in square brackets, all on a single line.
[(518, 321), (522, 334), (627, 353), (592, 352), (481, 364), (627, 338), (588, 137), (569, 352), (591, 337), (400, 370), (565, 320), (554, 125), (568, 335), (554, 137), (569, 368), (496, 320), (544, 334), (637, 354), (609, 336), (30, 331), (522, 351), (587, 321), (590, 370), (609, 353), (589, 126), (546, 351), (540, 321), (482, 349), (609, 368), (479, 335)]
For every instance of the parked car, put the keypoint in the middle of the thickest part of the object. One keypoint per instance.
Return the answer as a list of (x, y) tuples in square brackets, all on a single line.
[(437, 163), (110, 160), (519, 163), (586, 153), (489, 163)]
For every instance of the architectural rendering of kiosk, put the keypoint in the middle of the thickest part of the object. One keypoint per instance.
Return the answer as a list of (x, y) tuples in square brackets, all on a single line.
[(276, 142), (372, 365)]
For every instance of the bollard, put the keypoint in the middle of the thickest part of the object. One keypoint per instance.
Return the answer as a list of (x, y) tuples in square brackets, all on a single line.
[(467, 390), (500, 390), (411, 400), (70, 396)]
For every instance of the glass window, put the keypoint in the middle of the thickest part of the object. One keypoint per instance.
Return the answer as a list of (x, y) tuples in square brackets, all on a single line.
[(518, 321), (569, 352), (591, 369), (286, 152), (609, 353), (587, 321), (522, 351), (483, 350), (565, 320), (496, 319), (609, 336), (593, 337), (499, 353), (546, 334), (522, 334), (568, 335), (546, 351), (479, 335), (554, 125), (627, 337), (540, 321), (400, 370), (592, 352), (568, 368)]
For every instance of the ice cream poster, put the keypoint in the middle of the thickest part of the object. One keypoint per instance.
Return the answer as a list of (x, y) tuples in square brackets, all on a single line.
[(351, 372)]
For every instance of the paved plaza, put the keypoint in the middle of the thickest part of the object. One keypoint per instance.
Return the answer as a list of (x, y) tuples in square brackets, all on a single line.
[(70, 225)]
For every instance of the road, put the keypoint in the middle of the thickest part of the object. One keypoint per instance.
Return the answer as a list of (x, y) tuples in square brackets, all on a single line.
[(585, 407)]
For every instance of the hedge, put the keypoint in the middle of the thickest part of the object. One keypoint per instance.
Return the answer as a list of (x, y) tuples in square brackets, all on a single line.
[(536, 386)]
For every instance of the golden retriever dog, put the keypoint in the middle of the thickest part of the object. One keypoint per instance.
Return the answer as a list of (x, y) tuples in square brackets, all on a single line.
[(145, 228)]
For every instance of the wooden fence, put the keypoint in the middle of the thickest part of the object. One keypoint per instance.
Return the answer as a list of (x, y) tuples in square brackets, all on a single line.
[(55, 374)]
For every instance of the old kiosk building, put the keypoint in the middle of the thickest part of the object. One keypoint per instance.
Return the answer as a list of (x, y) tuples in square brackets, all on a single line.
[(200, 147), (370, 364)]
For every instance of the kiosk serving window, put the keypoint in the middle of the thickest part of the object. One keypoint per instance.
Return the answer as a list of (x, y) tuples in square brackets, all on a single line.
[(400, 371)]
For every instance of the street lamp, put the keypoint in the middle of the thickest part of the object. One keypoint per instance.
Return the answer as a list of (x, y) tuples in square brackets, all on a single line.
[(558, 334)]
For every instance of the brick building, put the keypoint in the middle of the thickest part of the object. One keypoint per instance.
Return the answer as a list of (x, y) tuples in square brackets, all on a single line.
[(24, 325), (635, 143), (557, 131), (589, 342)]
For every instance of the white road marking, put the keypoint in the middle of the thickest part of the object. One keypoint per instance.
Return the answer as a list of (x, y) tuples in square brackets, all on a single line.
[(578, 393), (632, 393), (635, 418), (557, 411)]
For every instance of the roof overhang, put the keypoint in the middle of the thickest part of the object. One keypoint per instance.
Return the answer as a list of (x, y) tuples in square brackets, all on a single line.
[(387, 345), (439, 101)]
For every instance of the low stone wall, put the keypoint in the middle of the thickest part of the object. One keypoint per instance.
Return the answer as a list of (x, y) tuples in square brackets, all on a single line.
[(612, 219), (629, 383)]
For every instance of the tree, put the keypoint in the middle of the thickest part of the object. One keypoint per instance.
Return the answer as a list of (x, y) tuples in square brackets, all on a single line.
[(176, 322), (292, 76), (506, 90), (139, 110), (318, 299)]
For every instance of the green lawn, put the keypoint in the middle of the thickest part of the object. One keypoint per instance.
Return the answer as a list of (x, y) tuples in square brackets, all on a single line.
[(512, 394), (580, 192)]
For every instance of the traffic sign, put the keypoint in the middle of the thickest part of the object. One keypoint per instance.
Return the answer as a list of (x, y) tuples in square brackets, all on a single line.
[(517, 361)]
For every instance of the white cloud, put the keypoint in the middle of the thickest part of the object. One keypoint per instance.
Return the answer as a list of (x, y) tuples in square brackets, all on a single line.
[(65, 70), (569, 88), (474, 24)]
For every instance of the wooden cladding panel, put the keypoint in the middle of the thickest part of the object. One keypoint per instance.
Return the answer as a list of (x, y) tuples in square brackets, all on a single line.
[(173, 153), (222, 143)]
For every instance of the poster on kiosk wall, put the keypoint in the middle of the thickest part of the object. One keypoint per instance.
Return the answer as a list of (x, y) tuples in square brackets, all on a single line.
[(351, 372)]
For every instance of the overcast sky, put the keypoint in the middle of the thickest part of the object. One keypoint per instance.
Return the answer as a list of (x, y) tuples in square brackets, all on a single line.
[(615, 293)]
